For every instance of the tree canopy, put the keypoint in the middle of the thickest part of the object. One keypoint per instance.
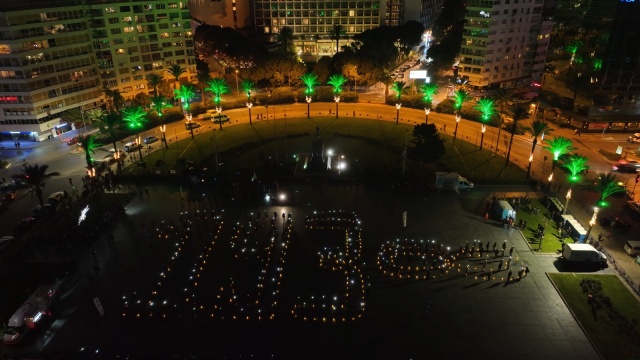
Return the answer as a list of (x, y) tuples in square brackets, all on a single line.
[(428, 146)]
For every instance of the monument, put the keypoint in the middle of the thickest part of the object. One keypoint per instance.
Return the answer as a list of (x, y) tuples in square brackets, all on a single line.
[(317, 163)]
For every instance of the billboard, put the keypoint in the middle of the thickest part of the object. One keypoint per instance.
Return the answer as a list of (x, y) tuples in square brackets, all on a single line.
[(418, 74)]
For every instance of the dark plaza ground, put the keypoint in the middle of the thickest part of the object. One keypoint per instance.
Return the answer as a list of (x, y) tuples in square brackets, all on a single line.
[(449, 316)]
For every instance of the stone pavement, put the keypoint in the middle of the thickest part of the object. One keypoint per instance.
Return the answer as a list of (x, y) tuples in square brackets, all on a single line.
[(448, 317)]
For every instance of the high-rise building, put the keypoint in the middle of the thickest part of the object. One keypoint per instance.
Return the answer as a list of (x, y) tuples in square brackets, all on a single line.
[(235, 14), (429, 12), (620, 79), (504, 42), (58, 55), (394, 12)]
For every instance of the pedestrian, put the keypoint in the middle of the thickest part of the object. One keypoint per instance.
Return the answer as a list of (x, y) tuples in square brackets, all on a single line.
[(526, 270), (496, 252), (283, 217), (600, 237), (575, 132), (495, 245), (504, 245), (466, 271), (509, 274), (490, 274), (486, 216), (481, 251), (484, 267), (509, 263), (511, 251), (487, 247), (18, 144), (500, 266), (15, 144)]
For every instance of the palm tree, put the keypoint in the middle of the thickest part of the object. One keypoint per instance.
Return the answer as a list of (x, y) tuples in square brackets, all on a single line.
[(429, 91), (247, 86), (537, 129), (399, 87), (310, 80), (36, 177), (135, 117), (387, 80), (185, 93), (487, 108), (203, 78), (89, 144), (461, 96), (95, 114), (176, 70), (576, 164), (107, 124), (517, 112), (159, 103), (154, 80), (337, 81), (336, 32), (558, 146), (503, 95), (116, 100), (218, 86), (285, 37), (607, 185)]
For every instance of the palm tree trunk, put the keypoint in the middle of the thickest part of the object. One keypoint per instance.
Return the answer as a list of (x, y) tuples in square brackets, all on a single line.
[(499, 131), (533, 147), (202, 94), (513, 132), (139, 148), (38, 192)]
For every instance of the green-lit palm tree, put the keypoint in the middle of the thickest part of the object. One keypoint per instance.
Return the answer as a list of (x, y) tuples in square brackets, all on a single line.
[(135, 117), (203, 78), (154, 80), (185, 93), (218, 86), (517, 112), (285, 37), (576, 164), (337, 81), (503, 95), (36, 177), (247, 86), (115, 99), (536, 129), (107, 125), (487, 108), (429, 91), (461, 96), (159, 103), (310, 80), (336, 32), (176, 70), (89, 144), (607, 185), (399, 87), (558, 146)]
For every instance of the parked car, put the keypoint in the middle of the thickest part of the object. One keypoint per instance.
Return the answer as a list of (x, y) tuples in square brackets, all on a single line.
[(24, 224), (188, 125), (150, 139), (634, 205), (10, 196), (73, 141), (3, 185), (41, 211), (626, 166), (614, 223)]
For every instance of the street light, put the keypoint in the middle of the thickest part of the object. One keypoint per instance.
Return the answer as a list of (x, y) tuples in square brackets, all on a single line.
[(455, 132), (219, 110), (530, 161), (594, 219), (237, 87), (566, 203), (398, 106), (426, 115), (355, 87), (308, 107), (337, 100), (483, 130), (249, 106)]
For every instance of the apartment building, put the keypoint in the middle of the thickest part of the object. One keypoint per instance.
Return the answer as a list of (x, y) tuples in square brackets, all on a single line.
[(428, 12), (47, 66), (58, 55), (235, 14), (505, 42)]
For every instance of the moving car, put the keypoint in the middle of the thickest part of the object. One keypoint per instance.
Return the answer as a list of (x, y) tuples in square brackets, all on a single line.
[(632, 247), (131, 146), (73, 141), (634, 205), (191, 125), (150, 139), (626, 166), (31, 312), (635, 138), (221, 118)]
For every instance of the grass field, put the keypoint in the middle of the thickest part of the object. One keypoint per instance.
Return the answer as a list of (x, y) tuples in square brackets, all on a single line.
[(551, 242), (366, 143), (611, 341)]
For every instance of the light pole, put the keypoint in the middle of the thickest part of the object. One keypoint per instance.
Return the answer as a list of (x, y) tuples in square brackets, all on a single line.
[(189, 117), (308, 107), (426, 115), (355, 87), (529, 167), (249, 105), (566, 203), (398, 106), (483, 129), (237, 87), (337, 100), (219, 110), (593, 221), (455, 132)]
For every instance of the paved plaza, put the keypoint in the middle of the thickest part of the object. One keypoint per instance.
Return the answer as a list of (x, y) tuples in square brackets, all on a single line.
[(447, 316)]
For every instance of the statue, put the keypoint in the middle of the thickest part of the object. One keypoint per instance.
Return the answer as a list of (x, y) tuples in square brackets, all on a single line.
[(317, 163)]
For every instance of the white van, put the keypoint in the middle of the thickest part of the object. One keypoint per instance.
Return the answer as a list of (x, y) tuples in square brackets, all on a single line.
[(131, 146), (632, 247)]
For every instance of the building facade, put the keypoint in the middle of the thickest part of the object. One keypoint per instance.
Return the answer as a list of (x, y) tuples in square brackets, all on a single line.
[(59, 55), (235, 14), (429, 12), (504, 42)]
